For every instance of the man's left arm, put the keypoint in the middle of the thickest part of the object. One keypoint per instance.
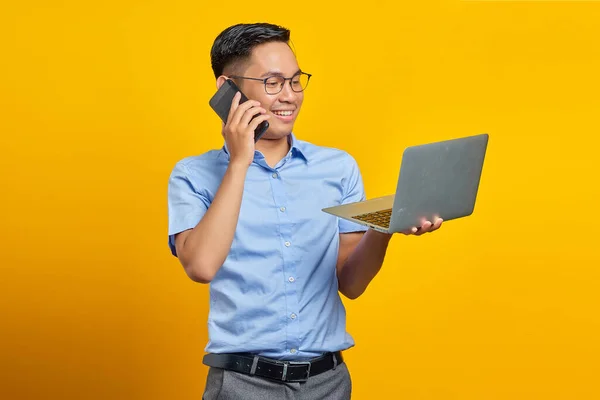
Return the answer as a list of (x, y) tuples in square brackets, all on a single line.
[(361, 256), (361, 253)]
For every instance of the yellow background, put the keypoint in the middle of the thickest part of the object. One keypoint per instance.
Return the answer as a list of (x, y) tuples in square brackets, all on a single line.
[(99, 100)]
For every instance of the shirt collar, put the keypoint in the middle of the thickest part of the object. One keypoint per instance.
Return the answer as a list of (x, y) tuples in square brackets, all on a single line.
[(296, 148)]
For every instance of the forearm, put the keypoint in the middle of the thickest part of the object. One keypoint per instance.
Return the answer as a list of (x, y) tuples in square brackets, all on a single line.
[(363, 264), (207, 245)]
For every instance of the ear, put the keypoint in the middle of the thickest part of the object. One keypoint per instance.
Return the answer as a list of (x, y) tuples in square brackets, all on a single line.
[(221, 80)]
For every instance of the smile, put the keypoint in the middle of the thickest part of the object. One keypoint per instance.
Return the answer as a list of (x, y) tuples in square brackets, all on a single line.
[(283, 113)]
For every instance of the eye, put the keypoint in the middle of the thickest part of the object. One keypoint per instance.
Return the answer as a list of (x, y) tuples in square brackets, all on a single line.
[(272, 82)]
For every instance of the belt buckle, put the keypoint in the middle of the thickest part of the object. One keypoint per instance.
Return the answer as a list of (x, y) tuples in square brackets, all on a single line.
[(302, 379)]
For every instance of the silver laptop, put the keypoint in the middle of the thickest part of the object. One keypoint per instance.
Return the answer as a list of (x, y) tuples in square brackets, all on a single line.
[(436, 179)]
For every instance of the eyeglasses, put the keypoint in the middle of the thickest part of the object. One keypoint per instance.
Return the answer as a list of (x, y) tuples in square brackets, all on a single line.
[(274, 84)]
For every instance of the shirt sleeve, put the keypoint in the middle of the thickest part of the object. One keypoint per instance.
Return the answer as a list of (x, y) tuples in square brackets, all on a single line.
[(186, 205), (353, 191)]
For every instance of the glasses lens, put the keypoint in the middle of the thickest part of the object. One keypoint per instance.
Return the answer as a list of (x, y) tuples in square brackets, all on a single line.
[(274, 84), (300, 82)]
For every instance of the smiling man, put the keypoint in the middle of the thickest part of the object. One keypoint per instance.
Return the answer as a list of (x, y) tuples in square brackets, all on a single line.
[(247, 220)]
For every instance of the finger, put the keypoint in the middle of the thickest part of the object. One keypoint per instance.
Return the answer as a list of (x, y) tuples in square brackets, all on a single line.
[(437, 224), (424, 228), (249, 114), (257, 121), (234, 105), (410, 231), (241, 109)]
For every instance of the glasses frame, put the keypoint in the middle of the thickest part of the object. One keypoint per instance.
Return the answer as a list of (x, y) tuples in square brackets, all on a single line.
[(264, 81)]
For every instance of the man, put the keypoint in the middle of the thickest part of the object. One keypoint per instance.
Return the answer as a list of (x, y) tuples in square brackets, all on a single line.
[(247, 219)]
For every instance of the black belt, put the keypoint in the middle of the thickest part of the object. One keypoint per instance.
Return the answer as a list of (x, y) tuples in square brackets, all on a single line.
[(286, 371)]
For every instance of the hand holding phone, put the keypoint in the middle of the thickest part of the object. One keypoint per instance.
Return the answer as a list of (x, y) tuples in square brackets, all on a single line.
[(244, 121), (222, 103)]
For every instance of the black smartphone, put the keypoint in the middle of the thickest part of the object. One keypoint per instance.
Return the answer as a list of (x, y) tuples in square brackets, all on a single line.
[(221, 103)]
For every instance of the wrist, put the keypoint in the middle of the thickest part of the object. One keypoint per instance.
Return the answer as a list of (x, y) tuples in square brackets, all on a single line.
[(380, 235), (238, 167)]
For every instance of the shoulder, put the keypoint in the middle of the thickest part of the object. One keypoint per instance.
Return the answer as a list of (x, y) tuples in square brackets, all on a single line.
[(199, 162), (199, 171), (201, 166)]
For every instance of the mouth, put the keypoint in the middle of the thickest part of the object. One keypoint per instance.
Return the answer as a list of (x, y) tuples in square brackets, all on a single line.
[(284, 115)]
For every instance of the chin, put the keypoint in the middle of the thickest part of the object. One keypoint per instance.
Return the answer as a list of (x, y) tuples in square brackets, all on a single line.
[(277, 134)]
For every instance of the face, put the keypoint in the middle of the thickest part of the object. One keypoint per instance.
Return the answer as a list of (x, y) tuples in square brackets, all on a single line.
[(275, 58)]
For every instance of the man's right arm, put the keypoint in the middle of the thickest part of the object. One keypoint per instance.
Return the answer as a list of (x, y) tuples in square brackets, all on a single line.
[(203, 249)]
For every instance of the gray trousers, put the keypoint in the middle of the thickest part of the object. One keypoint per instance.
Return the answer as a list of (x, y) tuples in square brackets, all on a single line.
[(230, 385)]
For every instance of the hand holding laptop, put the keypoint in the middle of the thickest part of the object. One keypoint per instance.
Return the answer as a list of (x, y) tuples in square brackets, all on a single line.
[(425, 227), (437, 181)]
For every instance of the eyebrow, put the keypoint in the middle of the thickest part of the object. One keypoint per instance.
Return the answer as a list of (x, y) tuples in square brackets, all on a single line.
[(277, 73)]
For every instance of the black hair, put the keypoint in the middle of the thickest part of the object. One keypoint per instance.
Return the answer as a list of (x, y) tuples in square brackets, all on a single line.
[(235, 43)]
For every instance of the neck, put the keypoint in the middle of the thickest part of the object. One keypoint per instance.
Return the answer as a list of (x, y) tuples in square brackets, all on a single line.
[(273, 149)]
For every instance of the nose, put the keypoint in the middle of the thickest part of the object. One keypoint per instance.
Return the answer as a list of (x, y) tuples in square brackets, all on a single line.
[(287, 94)]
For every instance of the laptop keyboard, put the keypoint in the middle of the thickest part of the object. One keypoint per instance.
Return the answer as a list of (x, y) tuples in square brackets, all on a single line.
[(380, 218)]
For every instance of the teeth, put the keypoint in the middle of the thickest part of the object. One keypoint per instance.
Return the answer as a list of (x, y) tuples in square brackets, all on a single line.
[(283, 113)]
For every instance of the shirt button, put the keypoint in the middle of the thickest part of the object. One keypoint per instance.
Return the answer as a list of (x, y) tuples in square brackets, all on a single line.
[(293, 316), (291, 279), (293, 351), (287, 244), (274, 175), (282, 209)]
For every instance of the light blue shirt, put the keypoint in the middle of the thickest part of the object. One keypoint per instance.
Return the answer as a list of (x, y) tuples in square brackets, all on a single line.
[(277, 292)]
